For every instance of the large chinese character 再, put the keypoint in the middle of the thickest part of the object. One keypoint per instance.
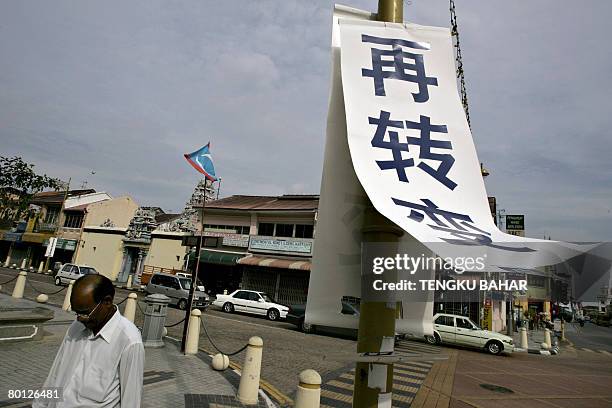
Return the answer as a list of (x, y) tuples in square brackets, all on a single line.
[(459, 226), (426, 144), (395, 58), (398, 163)]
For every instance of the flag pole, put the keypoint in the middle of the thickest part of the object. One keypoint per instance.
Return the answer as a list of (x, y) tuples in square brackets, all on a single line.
[(194, 275)]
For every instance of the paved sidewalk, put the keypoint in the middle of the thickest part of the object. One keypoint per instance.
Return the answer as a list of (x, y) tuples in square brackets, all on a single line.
[(171, 379), (535, 338)]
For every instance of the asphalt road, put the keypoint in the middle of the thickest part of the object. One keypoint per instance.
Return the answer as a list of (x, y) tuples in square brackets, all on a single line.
[(591, 336)]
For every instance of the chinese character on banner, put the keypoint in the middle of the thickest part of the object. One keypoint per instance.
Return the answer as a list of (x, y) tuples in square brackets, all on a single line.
[(396, 58), (423, 140), (460, 227)]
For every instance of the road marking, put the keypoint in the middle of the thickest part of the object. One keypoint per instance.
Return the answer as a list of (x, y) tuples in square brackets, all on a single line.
[(605, 352), (586, 349)]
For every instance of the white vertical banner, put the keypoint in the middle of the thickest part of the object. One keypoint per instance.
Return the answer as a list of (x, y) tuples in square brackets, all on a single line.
[(51, 247), (336, 269), (411, 146)]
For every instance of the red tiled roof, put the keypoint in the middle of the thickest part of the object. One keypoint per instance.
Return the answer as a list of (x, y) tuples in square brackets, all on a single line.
[(266, 203)]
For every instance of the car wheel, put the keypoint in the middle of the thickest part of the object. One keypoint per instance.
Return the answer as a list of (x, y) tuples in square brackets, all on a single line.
[(228, 308), (182, 304), (273, 314), (434, 340), (307, 327), (494, 347), (58, 281)]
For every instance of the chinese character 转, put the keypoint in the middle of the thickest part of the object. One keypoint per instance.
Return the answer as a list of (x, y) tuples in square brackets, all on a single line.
[(384, 126), (396, 59)]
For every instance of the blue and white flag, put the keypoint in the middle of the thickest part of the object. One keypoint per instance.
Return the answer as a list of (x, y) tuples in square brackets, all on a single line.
[(201, 160)]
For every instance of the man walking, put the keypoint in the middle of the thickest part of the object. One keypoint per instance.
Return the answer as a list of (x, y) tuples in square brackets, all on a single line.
[(100, 362)]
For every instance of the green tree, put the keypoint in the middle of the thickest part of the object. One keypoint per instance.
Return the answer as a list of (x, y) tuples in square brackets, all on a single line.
[(18, 184)]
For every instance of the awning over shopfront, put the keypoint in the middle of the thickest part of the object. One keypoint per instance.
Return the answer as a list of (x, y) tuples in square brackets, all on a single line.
[(275, 262), (218, 257)]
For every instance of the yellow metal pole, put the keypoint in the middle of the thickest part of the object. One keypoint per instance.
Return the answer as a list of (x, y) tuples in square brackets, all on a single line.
[(391, 11), (374, 381)]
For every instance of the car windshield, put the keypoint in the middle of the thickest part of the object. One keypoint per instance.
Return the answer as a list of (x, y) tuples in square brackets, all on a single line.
[(473, 324), (88, 271), (267, 298), (185, 283)]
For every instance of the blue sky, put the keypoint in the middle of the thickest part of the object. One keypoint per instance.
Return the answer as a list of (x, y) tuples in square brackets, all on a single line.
[(125, 88)]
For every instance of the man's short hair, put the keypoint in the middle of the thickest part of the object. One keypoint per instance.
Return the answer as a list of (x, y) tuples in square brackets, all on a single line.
[(102, 286)]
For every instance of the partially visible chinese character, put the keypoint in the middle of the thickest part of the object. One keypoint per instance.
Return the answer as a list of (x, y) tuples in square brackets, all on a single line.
[(426, 143), (383, 123), (459, 226), (395, 58)]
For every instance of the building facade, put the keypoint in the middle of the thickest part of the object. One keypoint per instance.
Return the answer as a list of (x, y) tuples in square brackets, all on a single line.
[(259, 243)]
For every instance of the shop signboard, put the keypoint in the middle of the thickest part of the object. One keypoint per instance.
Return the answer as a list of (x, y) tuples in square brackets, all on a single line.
[(284, 245)]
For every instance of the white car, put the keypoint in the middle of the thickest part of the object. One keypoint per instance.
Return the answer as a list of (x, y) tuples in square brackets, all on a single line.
[(250, 301), (199, 286), (72, 272), (460, 330)]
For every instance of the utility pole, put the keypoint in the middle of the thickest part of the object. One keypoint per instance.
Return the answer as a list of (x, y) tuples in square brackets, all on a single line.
[(374, 381)]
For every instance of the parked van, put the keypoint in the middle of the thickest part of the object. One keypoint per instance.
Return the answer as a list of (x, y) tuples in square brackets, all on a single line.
[(177, 289)]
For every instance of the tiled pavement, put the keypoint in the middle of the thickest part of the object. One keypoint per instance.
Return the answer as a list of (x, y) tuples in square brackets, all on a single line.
[(171, 379), (337, 388)]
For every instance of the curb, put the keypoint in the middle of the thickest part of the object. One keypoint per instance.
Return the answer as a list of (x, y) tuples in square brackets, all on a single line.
[(232, 375)]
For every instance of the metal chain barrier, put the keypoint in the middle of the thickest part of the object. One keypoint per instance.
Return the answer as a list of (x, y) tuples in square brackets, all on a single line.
[(126, 298), (175, 324), (140, 308), (9, 281), (41, 292), (215, 346)]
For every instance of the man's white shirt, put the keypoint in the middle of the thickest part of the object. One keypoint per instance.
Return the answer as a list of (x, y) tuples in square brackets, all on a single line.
[(102, 370)]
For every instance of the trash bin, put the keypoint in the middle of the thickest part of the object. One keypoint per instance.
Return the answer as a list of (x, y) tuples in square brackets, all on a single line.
[(154, 320)]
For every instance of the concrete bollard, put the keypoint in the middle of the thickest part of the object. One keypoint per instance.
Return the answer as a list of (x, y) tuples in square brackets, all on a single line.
[(130, 307), (562, 330), (308, 394), (66, 306), (128, 284), (248, 390), (524, 341), (193, 332), (23, 264), (547, 338), (42, 298), (544, 346), (20, 285), (7, 262), (220, 362), (41, 266)]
